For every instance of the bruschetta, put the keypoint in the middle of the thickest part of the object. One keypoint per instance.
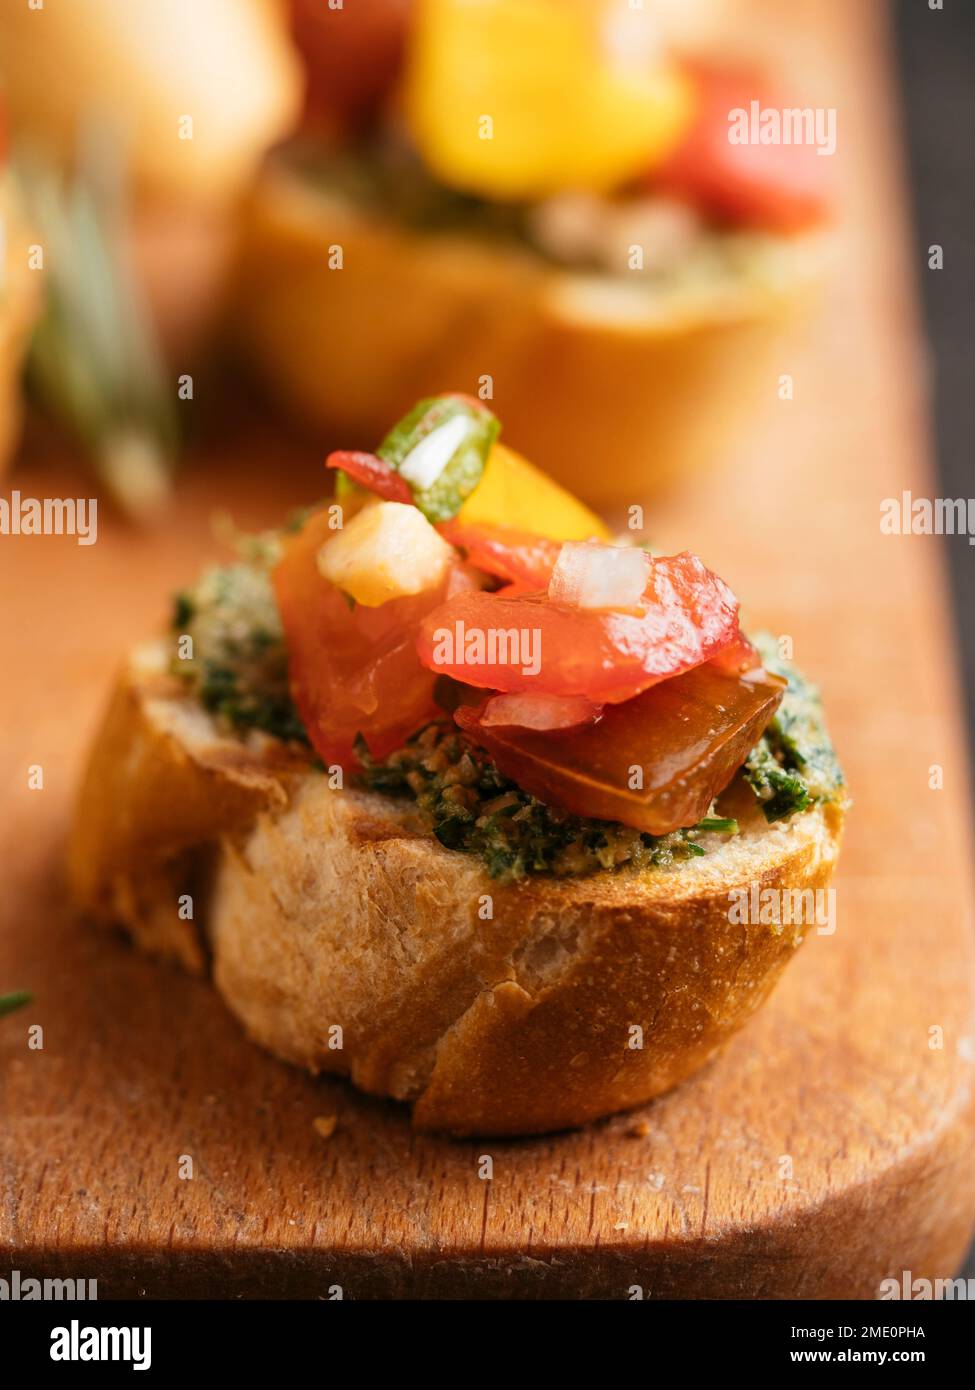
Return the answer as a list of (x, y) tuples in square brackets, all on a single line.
[(460, 797), (539, 201)]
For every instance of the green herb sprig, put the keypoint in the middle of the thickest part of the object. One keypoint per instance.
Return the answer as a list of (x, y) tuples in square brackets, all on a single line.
[(95, 364), (16, 999)]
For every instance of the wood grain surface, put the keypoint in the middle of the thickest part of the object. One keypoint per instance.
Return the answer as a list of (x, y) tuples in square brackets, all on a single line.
[(830, 1146)]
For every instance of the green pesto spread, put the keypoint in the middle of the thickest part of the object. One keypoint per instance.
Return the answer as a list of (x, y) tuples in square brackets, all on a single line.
[(238, 670), (235, 659), (470, 806), (793, 765), (389, 182)]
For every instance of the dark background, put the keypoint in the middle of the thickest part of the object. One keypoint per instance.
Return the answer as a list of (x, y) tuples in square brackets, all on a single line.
[(936, 53)]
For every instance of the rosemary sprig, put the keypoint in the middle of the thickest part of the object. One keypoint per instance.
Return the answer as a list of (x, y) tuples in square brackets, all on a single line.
[(95, 363)]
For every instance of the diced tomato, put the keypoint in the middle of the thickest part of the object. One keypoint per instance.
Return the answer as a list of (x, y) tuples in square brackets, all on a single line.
[(516, 556), (352, 669), (738, 658), (373, 473), (533, 710), (655, 762), (784, 188), (524, 641)]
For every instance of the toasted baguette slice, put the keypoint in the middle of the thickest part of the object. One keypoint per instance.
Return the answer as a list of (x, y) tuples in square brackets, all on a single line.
[(348, 940)]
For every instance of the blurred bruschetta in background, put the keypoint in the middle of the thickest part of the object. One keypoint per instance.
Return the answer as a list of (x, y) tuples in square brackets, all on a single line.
[(540, 202)]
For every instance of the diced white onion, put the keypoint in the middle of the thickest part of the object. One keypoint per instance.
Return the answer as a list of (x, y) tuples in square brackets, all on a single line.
[(589, 575), (424, 464)]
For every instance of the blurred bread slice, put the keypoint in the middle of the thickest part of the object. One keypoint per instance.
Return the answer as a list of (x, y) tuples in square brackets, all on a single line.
[(609, 386)]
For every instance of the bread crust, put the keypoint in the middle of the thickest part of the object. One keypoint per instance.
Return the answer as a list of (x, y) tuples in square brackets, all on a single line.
[(347, 940)]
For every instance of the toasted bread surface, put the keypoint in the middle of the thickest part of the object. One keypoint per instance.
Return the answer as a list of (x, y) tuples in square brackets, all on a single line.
[(348, 940)]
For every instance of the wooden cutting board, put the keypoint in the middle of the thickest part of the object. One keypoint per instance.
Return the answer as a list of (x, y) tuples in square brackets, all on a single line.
[(829, 1147)]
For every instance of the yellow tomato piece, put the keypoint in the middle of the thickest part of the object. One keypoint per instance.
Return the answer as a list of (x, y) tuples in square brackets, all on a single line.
[(513, 492), (523, 98)]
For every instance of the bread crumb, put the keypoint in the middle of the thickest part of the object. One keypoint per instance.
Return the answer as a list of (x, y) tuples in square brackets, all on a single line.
[(640, 1130), (324, 1125)]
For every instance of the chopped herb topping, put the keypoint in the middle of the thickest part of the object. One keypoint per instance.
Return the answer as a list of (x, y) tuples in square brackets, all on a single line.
[(724, 825), (793, 765), (781, 791), (470, 806), (235, 658)]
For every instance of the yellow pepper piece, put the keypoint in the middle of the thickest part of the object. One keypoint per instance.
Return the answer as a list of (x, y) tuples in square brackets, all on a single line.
[(513, 492), (524, 98)]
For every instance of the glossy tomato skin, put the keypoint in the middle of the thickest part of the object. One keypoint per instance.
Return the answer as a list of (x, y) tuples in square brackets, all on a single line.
[(738, 658), (688, 736), (372, 473), (689, 616), (518, 557), (352, 669), (781, 188)]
